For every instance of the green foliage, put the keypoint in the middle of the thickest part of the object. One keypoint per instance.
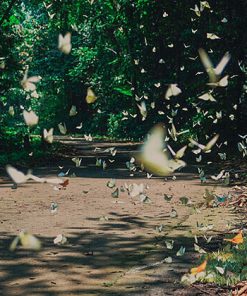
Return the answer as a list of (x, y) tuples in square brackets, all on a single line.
[(126, 51)]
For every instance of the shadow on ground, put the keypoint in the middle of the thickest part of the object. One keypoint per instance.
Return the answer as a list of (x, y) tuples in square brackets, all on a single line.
[(95, 265)]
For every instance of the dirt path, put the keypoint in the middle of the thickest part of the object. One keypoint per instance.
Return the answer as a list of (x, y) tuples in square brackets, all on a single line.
[(113, 245)]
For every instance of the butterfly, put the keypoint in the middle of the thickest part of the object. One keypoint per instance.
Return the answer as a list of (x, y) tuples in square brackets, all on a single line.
[(60, 239), (203, 5), (196, 10), (199, 249), (169, 244), (77, 161), (206, 148), (173, 132), (143, 110), (222, 82), (207, 97), (152, 156), (115, 193), (181, 251), (64, 43), (219, 176), (212, 36), (11, 111), (179, 154), (30, 118), (73, 111), (222, 156), (88, 137), (27, 241), (238, 239), (111, 183), (62, 128), (136, 189), (90, 97), (173, 90), (199, 268), (79, 126), (17, 176), (213, 73), (28, 84), (48, 135)]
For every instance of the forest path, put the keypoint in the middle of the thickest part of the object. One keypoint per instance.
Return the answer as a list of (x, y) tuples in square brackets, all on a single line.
[(113, 245)]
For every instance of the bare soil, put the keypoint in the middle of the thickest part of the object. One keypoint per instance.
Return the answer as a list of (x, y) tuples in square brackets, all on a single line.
[(113, 246)]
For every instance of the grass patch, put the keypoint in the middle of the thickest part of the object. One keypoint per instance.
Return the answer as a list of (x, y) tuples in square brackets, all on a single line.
[(226, 267)]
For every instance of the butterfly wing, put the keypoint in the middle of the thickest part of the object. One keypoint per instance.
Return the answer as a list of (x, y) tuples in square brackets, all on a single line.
[(207, 65), (222, 64), (17, 176), (211, 143)]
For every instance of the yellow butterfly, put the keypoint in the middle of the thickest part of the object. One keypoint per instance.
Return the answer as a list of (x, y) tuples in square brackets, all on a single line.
[(27, 241), (153, 157), (90, 98)]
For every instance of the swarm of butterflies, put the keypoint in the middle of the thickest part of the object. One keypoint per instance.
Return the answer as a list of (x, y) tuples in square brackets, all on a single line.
[(156, 156)]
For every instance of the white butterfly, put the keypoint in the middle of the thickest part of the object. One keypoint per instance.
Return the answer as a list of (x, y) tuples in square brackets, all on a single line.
[(206, 148), (213, 73), (223, 82), (203, 5), (64, 43), (79, 126), (88, 138), (28, 84), (207, 97), (173, 90), (62, 128), (196, 10), (212, 36), (18, 177), (30, 118), (219, 176), (173, 132), (77, 161), (179, 154), (73, 111), (48, 135), (143, 110)]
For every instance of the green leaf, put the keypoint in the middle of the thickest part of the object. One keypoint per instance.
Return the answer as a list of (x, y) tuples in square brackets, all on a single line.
[(123, 91)]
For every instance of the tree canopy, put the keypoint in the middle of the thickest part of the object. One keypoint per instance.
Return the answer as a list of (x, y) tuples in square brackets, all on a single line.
[(139, 58)]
